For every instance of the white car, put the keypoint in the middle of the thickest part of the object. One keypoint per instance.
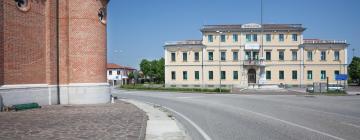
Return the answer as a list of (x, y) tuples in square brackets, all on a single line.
[(336, 88)]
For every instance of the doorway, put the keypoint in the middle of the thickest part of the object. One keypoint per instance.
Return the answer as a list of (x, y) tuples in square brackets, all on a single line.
[(251, 76)]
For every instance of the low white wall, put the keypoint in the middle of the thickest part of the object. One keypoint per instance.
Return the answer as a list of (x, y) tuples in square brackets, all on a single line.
[(82, 93)]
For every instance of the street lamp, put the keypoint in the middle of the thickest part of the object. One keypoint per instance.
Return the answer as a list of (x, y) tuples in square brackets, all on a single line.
[(353, 50), (219, 60)]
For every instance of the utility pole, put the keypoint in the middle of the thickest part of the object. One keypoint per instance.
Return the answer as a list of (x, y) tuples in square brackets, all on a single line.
[(219, 60)]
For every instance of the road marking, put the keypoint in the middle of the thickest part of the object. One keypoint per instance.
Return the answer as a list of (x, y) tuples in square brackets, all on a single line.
[(189, 97), (291, 123), (201, 131), (353, 125)]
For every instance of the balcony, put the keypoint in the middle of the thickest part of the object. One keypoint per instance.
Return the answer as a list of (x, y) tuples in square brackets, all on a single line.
[(318, 41), (254, 63)]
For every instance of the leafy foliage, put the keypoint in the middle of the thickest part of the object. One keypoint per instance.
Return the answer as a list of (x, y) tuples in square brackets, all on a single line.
[(354, 69), (155, 70)]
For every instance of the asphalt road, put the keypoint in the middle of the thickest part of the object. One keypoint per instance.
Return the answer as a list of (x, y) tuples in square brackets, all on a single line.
[(258, 117)]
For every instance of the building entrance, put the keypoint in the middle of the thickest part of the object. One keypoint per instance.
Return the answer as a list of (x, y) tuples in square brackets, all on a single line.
[(251, 76)]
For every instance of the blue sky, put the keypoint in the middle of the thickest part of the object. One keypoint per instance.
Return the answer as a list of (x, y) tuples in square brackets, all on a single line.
[(137, 29)]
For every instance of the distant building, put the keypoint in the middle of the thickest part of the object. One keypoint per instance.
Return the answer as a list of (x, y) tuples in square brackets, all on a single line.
[(118, 75), (233, 55)]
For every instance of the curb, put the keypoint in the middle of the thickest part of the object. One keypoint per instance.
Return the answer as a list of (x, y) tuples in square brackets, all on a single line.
[(161, 125)]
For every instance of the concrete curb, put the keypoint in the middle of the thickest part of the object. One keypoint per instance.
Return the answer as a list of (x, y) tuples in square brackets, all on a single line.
[(161, 124)]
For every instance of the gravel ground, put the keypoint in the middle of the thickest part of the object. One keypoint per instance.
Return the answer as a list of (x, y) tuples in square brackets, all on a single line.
[(121, 121)]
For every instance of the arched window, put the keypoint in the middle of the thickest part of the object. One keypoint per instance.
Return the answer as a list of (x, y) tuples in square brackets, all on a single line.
[(23, 5), (102, 15)]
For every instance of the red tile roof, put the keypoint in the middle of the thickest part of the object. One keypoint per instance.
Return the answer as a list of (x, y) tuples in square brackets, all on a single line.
[(116, 66)]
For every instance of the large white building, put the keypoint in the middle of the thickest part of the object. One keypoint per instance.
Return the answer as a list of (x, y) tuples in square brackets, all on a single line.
[(243, 55)]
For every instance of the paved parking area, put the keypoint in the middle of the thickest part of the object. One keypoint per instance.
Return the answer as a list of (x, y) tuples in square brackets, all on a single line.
[(121, 121)]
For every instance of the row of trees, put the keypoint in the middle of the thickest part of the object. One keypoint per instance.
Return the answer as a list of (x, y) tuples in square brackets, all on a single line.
[(153, 70)]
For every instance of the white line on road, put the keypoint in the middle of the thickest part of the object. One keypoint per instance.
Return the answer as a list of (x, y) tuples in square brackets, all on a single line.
[(291, 123), (201, 131), (189, 97)]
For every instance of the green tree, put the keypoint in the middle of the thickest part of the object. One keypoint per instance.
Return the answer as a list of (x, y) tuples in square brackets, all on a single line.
[(145, 67), (154, 69), (161, 70), (354, 69)]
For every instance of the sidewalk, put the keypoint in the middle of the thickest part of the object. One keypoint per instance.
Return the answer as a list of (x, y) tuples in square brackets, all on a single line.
[(122, 121)]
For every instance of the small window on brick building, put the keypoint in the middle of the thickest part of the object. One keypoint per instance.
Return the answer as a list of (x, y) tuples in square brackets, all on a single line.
[(102, 15), (23, 5)]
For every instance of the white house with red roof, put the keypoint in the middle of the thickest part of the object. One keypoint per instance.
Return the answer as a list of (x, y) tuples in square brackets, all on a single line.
[(117, 74)]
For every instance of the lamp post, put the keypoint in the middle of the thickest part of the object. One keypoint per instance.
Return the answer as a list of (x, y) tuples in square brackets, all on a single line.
[(353, 50), (219, 60)]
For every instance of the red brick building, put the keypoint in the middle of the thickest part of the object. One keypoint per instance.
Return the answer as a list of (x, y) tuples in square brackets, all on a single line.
[(51, 49)]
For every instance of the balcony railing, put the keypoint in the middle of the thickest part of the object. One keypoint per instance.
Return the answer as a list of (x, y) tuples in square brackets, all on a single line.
[(254, 63), (318, 41)]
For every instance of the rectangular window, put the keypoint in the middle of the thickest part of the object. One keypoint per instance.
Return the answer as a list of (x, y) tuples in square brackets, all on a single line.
[(323, 55), (185, 75), (294, 37), (294, 55), (268, 37), (235, 56), (235, 75), (247, 55), (281, 38), (323, 75), (197, 76), (268, 56), (336, 56), (294, 74), (248, 37), (223, 56), (281, 55), (255, 37), (268, 75), (184, 56), (309, 56), (223, 75), (210, 38), (173, 75), (309, 75), (281, 75), (222, 38), (211, 56), (173, 56), (336, 73), (110, 72), (235, 38), (196, 54), (211, 75), (118, 72)]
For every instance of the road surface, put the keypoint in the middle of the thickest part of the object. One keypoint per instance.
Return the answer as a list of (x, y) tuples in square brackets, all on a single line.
[(258, 117)]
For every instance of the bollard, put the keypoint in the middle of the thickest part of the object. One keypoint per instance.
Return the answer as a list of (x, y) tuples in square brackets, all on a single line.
[(112, 100), (1, 104)]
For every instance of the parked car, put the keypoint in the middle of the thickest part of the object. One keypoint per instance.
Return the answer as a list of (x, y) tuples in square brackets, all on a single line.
[(336, 88), (310, 89)]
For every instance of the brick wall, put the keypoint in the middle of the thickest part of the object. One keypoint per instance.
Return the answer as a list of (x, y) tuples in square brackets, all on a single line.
[(1, 42), (28, 43), (87, 42), (23, 45)]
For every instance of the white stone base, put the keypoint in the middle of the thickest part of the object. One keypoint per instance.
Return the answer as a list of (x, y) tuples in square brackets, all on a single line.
[(85, 93), (82, 93)]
